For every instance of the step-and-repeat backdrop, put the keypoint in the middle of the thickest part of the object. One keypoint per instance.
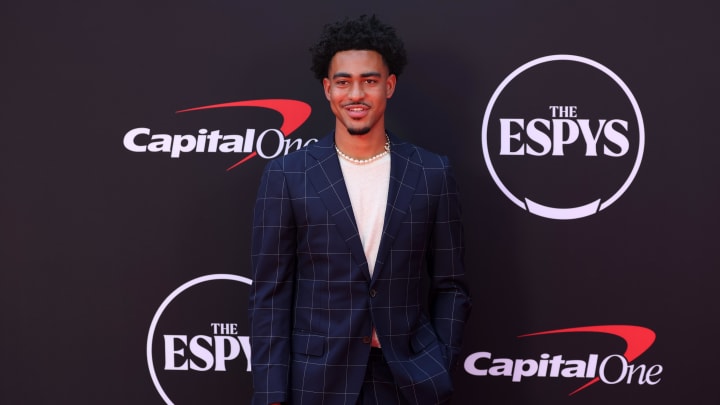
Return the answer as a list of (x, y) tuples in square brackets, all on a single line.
[(584, 137)]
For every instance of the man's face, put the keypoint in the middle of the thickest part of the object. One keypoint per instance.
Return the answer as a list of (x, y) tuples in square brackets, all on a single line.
[(357, 87)]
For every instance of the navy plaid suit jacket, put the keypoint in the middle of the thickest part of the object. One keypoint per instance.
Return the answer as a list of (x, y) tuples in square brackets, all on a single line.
[(313, 303)]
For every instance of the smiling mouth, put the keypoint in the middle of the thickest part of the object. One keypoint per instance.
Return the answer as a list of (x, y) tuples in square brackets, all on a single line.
[(357, 110)]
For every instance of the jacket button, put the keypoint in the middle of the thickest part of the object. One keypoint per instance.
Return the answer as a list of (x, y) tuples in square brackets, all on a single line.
[(367, 340), (373, 293)]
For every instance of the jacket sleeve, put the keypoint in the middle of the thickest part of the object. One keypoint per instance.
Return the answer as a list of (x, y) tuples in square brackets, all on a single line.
[(273, 267), (450, 301)]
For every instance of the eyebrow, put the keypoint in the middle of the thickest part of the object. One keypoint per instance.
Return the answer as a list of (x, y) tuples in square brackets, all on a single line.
[(368, 74)]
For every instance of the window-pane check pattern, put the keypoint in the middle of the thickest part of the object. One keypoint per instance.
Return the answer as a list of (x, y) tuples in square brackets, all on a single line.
[(313, 302)]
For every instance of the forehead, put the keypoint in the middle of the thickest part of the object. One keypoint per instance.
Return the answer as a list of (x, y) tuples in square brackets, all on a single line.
[(357, 62)]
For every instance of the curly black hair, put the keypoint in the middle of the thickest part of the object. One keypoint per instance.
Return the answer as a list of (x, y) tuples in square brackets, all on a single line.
[(364, 33)]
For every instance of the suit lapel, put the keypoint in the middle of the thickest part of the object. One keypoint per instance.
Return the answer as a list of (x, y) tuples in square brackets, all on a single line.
[(326, 177), (405, 170)]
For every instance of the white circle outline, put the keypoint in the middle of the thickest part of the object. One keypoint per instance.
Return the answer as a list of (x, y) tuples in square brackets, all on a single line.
[(573, 58), (161, 309)]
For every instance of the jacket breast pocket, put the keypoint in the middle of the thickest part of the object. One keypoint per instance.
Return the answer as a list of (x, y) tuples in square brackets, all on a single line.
[(308, 343)]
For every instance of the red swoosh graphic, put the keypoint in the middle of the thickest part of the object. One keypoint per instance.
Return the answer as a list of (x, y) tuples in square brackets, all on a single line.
[(294, 113), (637, 338)]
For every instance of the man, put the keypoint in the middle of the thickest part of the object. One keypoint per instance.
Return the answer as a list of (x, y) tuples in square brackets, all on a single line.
[(343, 233)]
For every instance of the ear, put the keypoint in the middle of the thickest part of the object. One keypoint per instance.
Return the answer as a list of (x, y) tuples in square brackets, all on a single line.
[(326, 87), (390, 85)]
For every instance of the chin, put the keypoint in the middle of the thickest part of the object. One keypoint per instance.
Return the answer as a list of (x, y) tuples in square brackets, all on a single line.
[(358, 131)]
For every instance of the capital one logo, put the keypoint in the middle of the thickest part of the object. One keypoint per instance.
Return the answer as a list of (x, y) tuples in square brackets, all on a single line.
[(618, 368), (267, 143), (563, 137), (198, 348)]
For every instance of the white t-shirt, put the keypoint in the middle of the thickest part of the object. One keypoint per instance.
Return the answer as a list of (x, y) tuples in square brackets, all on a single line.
[(367, 185)]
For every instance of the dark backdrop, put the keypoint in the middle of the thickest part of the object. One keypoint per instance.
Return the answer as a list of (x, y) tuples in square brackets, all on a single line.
[(95, 238)]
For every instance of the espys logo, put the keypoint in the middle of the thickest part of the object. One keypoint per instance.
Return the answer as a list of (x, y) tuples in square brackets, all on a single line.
[(268, 143), (198, 350), (563, 137), (611, 369)]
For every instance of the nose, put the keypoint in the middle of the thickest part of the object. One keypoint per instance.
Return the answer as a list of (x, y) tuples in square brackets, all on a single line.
[(356, 91)]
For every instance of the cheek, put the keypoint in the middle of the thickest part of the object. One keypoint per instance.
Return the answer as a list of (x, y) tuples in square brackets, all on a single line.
[(378, 93), (333, 95), (336, 97)]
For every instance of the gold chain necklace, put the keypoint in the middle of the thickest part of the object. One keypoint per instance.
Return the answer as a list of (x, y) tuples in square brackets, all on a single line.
[(368, 160)]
